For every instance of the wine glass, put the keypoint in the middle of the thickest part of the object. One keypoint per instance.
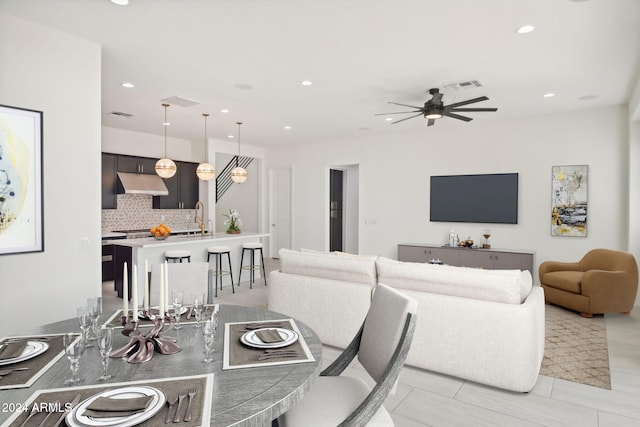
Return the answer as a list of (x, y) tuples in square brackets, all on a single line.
[(85, 320), (95, 306), (105, 344), (198, 307), (177, 301), (73, 348), (209, 327)]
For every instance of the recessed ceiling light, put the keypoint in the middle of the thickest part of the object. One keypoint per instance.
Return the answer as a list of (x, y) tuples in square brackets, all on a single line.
[(120, 2), (525, 29), (306, 83), (389, 119), (287, 127), (224, 110), (243, 86), (588, 97), (166, 124), (549, 95), (230, 136), (128, 84)]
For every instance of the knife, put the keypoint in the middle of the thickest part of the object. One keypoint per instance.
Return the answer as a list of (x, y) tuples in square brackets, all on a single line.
[(74, 402)]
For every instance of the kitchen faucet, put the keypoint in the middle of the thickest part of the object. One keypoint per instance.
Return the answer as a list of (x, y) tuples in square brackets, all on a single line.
[(199, 220)]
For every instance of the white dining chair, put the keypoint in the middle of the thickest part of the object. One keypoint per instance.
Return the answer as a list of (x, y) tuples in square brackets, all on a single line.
[(381, 345), (190, 277)]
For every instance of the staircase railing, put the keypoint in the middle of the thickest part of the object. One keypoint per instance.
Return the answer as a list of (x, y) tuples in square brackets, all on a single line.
[(223, 179)]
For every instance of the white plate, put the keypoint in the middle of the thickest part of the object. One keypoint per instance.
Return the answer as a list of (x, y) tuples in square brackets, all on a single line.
[(31, 350), (76, 419), (251, 339)]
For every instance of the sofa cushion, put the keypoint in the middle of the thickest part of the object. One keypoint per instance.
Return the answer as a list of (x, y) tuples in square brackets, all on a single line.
[(356, 269), (565, 280), (489, 285)]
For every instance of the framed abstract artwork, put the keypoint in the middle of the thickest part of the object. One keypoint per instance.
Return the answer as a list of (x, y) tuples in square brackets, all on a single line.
[(21, 198), (569, 200)]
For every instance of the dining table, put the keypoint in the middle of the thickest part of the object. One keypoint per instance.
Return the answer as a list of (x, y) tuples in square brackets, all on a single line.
[(249, 396)]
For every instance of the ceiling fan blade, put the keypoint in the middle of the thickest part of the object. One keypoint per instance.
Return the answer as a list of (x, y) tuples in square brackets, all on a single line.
[(397, 112), (407, 118), (404, 105), (457, 116), (473, 109), (431, 122), (468, 101)]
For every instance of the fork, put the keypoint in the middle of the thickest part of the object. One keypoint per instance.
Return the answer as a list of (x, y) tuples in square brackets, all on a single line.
[(34, 410), (192, 392), (181, 397), (4, 372), (171, 402)]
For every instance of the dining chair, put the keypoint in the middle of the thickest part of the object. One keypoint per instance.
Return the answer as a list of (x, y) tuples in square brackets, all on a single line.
[(190, 277), (381, 345)]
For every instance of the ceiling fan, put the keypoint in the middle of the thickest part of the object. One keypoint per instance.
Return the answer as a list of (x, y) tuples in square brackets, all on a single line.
[(435, 109)]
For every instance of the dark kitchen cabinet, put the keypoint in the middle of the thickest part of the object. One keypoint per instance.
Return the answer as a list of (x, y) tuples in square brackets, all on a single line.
[(121, 254), (183, 189), (109, 181), (135, 164), (107, 262)]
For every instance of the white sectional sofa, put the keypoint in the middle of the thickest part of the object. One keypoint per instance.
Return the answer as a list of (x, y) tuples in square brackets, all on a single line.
[(485, 326)]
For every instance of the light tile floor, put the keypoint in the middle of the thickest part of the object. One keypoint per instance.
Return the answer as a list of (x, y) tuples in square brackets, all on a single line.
[(426, 398)]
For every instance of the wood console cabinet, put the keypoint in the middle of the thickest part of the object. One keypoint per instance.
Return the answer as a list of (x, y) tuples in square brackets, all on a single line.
[(496, 259)]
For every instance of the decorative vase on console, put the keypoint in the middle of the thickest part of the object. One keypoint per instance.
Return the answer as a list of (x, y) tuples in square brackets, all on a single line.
[(233, 222)]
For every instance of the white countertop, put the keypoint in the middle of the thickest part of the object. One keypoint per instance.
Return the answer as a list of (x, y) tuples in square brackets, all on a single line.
[(147, 242)]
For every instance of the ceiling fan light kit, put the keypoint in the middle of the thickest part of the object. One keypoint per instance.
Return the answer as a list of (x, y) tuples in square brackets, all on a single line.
[(435, 109)]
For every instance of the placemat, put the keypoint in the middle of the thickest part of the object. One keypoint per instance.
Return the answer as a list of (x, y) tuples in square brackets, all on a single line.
[(237, 355), (37, 365), (57, 398), (185, 318)]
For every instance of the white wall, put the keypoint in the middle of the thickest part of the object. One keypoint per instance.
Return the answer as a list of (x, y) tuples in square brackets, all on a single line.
[(51, 284), (394, 180)]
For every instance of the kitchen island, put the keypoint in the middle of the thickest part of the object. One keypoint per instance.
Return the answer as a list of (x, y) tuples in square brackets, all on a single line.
[(137, 251)]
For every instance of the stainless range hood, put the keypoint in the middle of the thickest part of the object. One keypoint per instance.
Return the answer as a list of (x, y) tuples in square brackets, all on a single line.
[(141, 183)]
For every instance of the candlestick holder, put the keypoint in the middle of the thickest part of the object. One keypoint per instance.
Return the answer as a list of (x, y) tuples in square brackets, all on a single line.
[(141, 347)]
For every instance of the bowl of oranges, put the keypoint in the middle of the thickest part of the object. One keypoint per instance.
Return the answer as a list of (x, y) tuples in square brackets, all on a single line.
[(160, 232)]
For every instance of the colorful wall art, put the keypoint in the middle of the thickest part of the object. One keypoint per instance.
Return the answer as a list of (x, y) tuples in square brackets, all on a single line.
[(569, 200), (21, 210)]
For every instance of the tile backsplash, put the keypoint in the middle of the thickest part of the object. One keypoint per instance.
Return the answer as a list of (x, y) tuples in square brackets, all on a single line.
[(135, 211)]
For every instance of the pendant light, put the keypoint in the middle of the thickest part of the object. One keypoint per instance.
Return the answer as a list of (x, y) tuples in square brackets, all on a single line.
[(165, 167), (205, 171), (238, 174)]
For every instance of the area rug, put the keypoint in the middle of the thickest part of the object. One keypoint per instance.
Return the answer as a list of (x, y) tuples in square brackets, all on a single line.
[(576, 348)]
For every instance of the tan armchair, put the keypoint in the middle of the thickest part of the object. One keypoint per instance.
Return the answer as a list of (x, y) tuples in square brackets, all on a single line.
[(603, 281)]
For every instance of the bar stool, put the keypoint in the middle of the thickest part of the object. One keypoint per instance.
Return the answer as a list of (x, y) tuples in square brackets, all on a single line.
[(177, 255), (217, 252), (252, 247)]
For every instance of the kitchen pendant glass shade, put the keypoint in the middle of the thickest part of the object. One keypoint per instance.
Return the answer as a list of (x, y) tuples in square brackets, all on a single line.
[(239, 175), (165, 168), (205, 171)]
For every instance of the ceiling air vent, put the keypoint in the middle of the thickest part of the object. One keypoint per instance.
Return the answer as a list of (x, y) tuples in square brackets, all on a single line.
[(466, 85), (181, 101), (121, 114)]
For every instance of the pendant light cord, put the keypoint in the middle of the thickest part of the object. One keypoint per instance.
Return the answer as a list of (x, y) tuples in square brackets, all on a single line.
[(165, 129), (238, 158)]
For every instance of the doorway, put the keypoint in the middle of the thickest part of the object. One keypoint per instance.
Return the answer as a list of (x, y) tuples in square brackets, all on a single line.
[(344, 208), (280, 209)]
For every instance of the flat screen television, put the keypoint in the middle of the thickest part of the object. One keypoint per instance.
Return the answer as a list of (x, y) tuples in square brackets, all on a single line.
[(489, 198)]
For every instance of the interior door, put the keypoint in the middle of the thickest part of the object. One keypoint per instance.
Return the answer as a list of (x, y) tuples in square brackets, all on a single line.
[(280, 210), (336, 204)]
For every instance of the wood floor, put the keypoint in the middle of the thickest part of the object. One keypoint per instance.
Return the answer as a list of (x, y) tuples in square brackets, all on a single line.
[(425, 398)]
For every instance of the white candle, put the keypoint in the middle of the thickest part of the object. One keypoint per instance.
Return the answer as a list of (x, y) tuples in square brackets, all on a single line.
[(134, 289), (125, 291), (146, 285), (161, 290), (166, 286)]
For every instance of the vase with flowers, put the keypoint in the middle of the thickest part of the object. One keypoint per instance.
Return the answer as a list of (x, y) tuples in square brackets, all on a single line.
[(233, 222)]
